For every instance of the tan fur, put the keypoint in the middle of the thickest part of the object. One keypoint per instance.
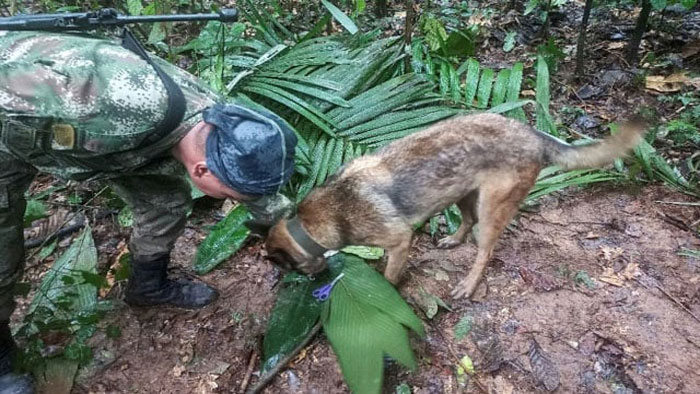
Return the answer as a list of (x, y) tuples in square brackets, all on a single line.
[(484, 163)]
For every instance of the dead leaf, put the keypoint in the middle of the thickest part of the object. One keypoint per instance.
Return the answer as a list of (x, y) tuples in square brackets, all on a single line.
[(616, 45), (528, 93), (631, 271), (691, 49), (610, 254), (540, 281), (543, 368), (672, 83), (500, 385), (178, 370)]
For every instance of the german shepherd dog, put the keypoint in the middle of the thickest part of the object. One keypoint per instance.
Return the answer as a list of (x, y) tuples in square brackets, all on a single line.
[(484, 163)]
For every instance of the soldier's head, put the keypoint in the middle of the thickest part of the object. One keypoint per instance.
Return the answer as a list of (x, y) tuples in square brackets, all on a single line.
[(238, 153)]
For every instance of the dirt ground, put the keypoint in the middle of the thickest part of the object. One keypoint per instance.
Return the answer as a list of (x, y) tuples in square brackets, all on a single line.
[(593, 276)]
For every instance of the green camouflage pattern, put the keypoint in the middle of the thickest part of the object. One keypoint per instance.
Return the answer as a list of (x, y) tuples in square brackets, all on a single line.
[(107, 97)]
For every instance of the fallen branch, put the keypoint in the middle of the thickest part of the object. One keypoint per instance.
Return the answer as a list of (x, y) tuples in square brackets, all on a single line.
[(675, 300), (249, 370), (269, 375)]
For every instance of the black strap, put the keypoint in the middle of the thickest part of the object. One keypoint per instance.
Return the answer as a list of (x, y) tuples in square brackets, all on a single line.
[(176, 99), (300, 236)]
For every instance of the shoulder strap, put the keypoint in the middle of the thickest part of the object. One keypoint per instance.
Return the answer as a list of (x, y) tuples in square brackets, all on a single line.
[(176, 99)]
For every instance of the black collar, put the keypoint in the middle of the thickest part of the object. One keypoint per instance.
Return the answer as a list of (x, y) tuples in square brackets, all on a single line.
[(300, 236)]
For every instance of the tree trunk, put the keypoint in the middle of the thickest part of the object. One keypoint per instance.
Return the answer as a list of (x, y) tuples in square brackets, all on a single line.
[(639, 29), (380, 10), (581, 45), (408, 30)]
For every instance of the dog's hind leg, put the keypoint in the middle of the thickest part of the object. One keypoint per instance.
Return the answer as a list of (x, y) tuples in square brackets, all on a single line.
[(398, 255), (498, 203), (467, 207)]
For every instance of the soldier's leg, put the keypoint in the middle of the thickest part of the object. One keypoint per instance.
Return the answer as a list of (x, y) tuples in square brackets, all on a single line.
[(159, 205), (15, 177)]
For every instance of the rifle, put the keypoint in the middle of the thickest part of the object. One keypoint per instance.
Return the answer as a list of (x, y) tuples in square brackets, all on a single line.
[(106, 17)]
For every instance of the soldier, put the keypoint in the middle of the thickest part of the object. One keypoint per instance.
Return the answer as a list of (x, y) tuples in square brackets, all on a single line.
[(84, 108)]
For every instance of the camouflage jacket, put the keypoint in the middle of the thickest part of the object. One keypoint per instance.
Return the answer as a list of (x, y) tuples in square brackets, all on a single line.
[(79, 106)]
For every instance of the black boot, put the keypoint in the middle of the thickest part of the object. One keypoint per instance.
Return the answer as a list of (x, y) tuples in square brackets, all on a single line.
[(11, 383), (149, 285)]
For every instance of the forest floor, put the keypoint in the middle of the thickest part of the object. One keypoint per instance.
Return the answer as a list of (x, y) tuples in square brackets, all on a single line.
[(590, 280)]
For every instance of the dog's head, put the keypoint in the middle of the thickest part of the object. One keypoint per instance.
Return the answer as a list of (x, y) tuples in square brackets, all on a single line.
[(284, 251)]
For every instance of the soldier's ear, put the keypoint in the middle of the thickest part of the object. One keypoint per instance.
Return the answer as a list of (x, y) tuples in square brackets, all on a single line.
[(200, 169)]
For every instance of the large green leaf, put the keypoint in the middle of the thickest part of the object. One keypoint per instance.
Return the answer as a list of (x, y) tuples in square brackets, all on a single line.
[(544, 120), (66, 276), (340, 16), (295, 313), (225, 239), (35, 210), (366, 319)]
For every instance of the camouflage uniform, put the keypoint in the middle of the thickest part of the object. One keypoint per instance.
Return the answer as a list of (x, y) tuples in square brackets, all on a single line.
[(79, 107)]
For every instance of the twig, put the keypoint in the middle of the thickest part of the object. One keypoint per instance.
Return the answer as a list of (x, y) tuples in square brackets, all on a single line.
[(269, 375), (249, 371), (674, 299), (690, 204)]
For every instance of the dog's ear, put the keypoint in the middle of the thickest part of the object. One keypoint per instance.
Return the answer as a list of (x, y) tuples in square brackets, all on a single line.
[(259, 228)]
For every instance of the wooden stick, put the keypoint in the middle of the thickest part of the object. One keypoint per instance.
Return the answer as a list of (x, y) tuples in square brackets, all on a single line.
[(269, 375), (249, 370), (674, 299)]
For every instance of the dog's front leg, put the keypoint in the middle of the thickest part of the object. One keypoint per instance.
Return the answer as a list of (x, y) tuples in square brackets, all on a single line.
[(398, 255)]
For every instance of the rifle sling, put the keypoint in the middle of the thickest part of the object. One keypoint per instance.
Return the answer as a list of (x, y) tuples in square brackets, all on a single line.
[(175, 112)]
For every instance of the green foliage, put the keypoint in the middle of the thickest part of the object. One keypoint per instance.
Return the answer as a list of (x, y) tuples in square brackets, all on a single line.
[(403, 388), (65, 302), (364, 319), (340, 16), (463, 327), (225, 239), (509, 41), (35, 210), (295, 313)]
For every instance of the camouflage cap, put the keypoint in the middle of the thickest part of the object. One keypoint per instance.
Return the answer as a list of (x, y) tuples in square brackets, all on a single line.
[(252, 152)]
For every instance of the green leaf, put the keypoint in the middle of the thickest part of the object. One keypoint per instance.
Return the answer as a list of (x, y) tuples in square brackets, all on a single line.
[(688, 4), (158, 33), (365, 319), (294, 315), (484, 92), (403, 388), (47, 250), (125, 217), (98, 281), (472, 81), (658, 5), (35, 210), (365, 252), (134, 7), (463, 326), (225, 239), (113, 331), (78, 352), (509, 41), (81, 256), (543, 119), (531, 5), (340, 16), (499, 89), (513, 92)]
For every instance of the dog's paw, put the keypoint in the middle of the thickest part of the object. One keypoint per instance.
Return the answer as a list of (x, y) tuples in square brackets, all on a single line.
[(464, 289), (448, 243)]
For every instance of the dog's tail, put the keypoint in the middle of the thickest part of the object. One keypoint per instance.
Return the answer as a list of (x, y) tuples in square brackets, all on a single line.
[(596, 154)]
